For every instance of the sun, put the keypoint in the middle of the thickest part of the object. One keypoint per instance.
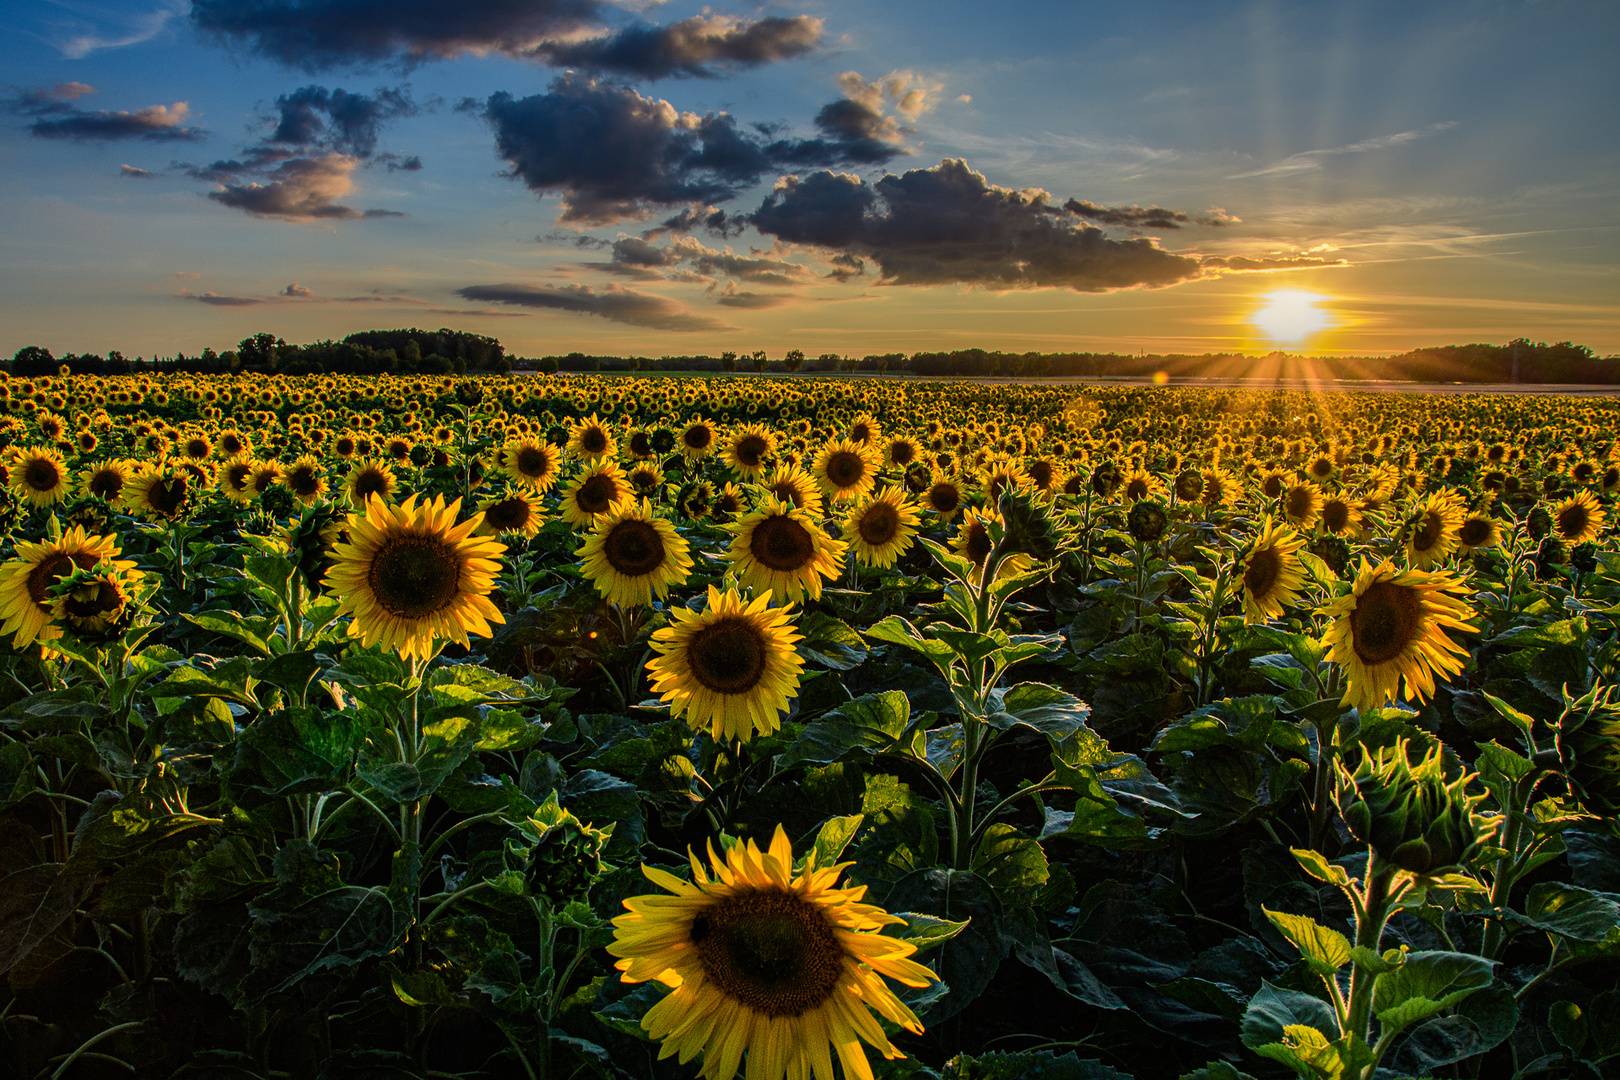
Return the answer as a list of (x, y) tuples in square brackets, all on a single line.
[(1289, 316)]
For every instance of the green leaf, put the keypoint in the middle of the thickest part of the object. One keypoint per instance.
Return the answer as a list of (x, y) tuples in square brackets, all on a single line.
[(445, 745), (1324, 949), (1009, 861), (830, 643), (1241, 723), (1273, 1009), (927, 931), (253, 631), (1570, 911), (1567, 1023), (229, 679), (968, 961), (834, 836), (486, 959), (291, 671), (599, 799), (1426, 984), (1315, 864), (1029, 1065), (17, 772), (899, 631), (297, 751), (864, 727), (1039, 706)]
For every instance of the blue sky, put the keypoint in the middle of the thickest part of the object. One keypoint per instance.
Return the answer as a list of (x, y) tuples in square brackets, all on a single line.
[(830, 176)]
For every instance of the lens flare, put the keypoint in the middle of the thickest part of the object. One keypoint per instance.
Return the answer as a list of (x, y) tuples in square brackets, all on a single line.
[(1289, 316)]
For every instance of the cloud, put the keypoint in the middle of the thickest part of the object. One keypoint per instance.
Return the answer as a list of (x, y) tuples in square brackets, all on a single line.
[(689, 48), (338, 119), (133, 173), (1139, 217), (737, 298), (1245, 264), (910, 93), (614, 302), (613, 154), (637, 258), (947, 225), (1311, 160), (298, 292), (216, 300), (300, 189), (319, 34), (57, 118), (141, 27)]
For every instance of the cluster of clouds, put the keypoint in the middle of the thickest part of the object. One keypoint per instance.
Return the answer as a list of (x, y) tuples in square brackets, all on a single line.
[(612, 154)]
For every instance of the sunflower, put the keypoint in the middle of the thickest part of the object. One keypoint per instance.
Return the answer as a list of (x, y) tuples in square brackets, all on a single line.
[(697, 438), (409, 575), (779, 548), (646, 478), (1142, 484), (1431, 532), (517, 513), (25, 581), (865, 429), (266, 475), (305, 479), (845, 469), (881, 528), (1302, 504), (794, 487), (370, 477), (1477, 531), (902, 451), (590, 440), (104, 480), (1218, 488), (92, 602), (531, 462), (944, 498), (1578, 519), (731, 668), (599, 489), (1272, 573), (747, 450), (164, 491), (728, 503), (972, 540), (1392, 625), (1341, 516), (765, 962), (1003, 475), (633, 554), (39, 475)]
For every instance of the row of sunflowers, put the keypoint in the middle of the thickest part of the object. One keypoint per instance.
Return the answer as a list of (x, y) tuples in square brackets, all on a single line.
[(346, 721)]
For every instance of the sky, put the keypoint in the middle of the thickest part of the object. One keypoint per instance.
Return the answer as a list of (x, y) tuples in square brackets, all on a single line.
[(837, 176)]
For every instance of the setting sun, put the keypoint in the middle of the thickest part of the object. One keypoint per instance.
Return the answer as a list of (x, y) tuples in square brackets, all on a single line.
[(1289, 316)]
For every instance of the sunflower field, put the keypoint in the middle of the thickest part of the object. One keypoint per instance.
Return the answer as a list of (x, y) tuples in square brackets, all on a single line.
[(587, 727)]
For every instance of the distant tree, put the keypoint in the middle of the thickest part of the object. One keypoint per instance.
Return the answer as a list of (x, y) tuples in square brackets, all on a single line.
[(546, 365), (758, 357), (262, 351), (33, 360), (794, 360), (728, 361)]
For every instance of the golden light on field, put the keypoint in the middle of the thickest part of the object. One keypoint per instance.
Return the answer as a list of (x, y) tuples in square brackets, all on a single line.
[(1289, 316)]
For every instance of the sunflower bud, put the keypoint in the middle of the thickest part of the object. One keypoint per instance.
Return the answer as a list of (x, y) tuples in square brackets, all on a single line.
[(1147, 521), (1584, 558), (1030, 526), (567, 857), (1540, 523), (1408, 814), (1549, 554), (1332, 550), (1589, 750), (310, 539), (1189, 484)]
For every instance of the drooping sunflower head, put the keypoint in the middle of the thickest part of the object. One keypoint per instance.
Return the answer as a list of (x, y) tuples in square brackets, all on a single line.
[(1147, 521), (1273, 574), (599, 489), (26, 581), (1391, 628), (633, 554), (164, 492), (779, 548), (845, 469), (731, 668), (517, 513), (1578, 519), (769, 961), (410, 576), (39, 476), (881, 528)]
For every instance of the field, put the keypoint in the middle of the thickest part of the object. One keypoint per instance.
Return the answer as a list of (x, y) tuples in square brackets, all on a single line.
[(575, 726)]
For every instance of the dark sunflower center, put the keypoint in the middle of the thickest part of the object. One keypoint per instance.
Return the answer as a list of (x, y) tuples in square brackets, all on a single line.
[(697, 437), (508, 515), (788, 493), (1265, 566), (861, 433), (233, 446), (1475, 531), (370, 482), (978, 543), (769, 950), (633, 548), (845, 468), (750, 449), (1273, 487), (1428, 534), (104, 600), (780, 543), (1572, 521), (41, 474), (1136, 488), (196, 448), (106, 484), (1387, 620), (1336, 515), (728, 656), (167, 496), (1299, 502), (413, 577), (593, 440), (879, 523), (596, 494), (533, 462), (304, 481), (54, 568), (944, 498)]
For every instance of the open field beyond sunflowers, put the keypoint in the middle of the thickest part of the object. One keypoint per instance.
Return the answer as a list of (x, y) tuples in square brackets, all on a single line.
[(571, 726)]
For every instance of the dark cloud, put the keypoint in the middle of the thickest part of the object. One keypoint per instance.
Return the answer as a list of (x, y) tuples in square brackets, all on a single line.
[(947, 225), (689, 48), (1244, 264), (612, 154), (56, 117), (846, 266), (737, 298), (338, 119), (298, 292), (299, 189), (613, 302), (708, 217), (318, 34), (396, 163), (133, 173), (216, 300), (1140, 217), (637, 258)]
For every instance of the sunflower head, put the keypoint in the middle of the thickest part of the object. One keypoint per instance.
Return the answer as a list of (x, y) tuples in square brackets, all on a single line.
[(1589, 750), (1391, 628), (567, 854), (633, 554), (517, 513), (1410, 816), (309, 541), (1578, 519), (1033, 526), (96, 603), (1147, 521), (880, 529), (1539, 523), (1272, 572)]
